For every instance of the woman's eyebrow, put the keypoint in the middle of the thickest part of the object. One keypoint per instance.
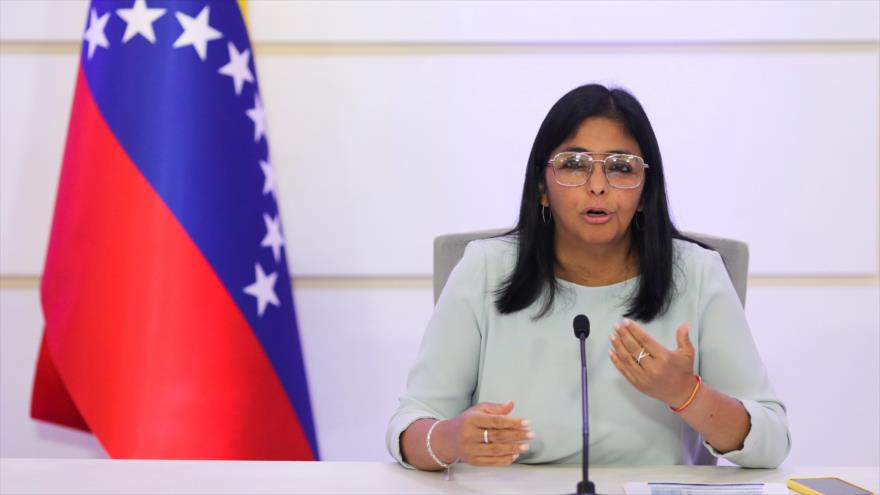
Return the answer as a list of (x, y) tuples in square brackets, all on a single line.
[(578, 149)]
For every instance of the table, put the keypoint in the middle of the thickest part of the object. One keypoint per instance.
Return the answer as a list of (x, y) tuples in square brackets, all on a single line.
[(123, 477)]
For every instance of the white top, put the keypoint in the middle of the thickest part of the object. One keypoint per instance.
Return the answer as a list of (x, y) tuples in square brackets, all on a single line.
[(471, 353)]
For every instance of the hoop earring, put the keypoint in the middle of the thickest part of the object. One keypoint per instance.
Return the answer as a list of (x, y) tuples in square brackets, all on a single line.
[(544, 217), (636, 220)]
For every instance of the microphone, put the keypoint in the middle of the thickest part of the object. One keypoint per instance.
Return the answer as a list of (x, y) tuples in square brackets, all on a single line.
[(581, 326)]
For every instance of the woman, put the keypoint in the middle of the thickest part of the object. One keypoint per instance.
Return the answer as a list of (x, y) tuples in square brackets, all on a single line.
[(675, 377)]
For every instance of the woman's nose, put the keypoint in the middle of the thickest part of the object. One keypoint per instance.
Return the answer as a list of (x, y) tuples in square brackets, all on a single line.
[(597, 182)]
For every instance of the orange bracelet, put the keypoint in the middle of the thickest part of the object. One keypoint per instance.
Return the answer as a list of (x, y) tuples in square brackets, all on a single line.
[(690, 399)]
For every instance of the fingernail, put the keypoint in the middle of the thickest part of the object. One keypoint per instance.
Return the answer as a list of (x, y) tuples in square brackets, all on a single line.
[(627, 321), (613, 337), (617, 326), (523, 447), (530, 435), (515, 456), (610, 353), (525, 423)]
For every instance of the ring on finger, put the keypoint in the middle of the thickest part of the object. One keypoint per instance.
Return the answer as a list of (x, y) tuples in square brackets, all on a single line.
[(485, 436), (643, 353)]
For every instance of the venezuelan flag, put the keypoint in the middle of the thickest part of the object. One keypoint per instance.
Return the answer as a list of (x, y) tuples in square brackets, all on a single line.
[(170, 330)]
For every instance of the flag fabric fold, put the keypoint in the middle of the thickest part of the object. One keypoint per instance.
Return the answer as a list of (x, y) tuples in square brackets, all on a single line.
[(170, 330)]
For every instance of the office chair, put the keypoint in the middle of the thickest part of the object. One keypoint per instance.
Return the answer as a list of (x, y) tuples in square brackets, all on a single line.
[(449, 248)]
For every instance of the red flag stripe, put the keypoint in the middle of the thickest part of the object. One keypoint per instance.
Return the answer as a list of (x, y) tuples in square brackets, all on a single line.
[(52, 402)]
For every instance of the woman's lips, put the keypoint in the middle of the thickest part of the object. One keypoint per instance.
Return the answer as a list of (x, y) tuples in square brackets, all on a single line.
[(596, 216)]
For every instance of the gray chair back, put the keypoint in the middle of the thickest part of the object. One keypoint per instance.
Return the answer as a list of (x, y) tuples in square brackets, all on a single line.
[(449, 248)]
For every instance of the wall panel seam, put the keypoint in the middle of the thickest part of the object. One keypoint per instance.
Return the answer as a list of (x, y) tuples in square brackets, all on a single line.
[(470, 48), (425, 281)]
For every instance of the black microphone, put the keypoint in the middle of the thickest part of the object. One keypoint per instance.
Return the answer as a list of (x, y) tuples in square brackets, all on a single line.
[(582, 330)]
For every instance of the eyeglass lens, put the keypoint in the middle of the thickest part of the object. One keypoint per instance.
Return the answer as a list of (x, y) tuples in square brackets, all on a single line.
[(621, 171)]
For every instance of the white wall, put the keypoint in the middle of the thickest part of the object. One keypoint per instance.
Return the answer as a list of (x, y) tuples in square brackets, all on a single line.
[(767, 113)]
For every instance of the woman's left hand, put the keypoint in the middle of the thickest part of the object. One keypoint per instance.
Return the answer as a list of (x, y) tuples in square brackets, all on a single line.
[(666, 375)]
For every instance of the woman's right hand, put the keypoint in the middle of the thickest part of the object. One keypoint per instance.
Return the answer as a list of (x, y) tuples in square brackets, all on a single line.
[(507, 435)]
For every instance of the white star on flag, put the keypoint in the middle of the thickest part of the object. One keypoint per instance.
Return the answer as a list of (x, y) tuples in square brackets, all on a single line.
[(273, 238), (196, 32), (237, 68), (139, 20), (259, 117), (263, 289), (269, 177), (95, 33)]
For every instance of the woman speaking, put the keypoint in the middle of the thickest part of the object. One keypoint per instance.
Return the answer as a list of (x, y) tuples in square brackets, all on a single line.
[(675, 377)]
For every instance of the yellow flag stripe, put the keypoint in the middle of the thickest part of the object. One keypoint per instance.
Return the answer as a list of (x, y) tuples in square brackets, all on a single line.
[(242, 6)]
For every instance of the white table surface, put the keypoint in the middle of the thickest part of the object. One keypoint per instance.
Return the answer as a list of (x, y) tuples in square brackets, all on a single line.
[(103, 476)]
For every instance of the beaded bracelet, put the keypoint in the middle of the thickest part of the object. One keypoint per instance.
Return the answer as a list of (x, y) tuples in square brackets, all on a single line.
[(431, 451), (691, 398)]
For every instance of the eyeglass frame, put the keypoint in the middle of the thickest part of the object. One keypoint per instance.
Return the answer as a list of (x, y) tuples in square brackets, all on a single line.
[(590, 154)]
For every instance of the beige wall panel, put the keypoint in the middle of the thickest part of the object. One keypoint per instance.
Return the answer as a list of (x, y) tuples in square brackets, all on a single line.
[(359, 345), (36, 93), (561, 21), (820, 346), (378, 153), (504, 22), (42, 20)]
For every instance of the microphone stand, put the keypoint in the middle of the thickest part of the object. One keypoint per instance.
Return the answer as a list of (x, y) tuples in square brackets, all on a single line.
[(585, 486), (581, 326)]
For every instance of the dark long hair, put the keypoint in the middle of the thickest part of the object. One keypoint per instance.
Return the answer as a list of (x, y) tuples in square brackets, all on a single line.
[(652, 240)]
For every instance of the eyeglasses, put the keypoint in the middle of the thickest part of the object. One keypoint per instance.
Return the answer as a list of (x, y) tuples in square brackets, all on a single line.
[(574, 168)]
